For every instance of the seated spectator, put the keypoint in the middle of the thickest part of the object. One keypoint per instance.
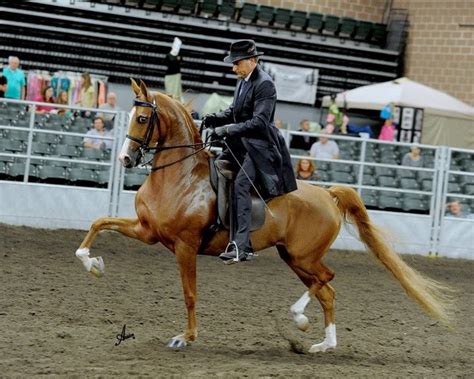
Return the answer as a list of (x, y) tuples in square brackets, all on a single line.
[(302, 142), (413, 158), (99, 130), (305, 170), (388, 131), (345, 122), (325, 148), (330, 121), (3, 85), (454, 209), (62, 99), (110, 105), (46, 97)]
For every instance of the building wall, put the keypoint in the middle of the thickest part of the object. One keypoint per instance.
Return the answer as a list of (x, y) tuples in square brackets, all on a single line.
[(440, 52)]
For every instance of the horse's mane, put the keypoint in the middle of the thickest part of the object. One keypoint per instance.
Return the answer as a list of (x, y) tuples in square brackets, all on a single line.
[(182, 112)]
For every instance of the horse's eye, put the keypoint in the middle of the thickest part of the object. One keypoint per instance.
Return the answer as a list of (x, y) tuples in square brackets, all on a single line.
[(142, 119)]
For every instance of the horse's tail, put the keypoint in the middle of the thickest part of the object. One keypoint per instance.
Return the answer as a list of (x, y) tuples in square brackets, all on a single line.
[(429, 294)]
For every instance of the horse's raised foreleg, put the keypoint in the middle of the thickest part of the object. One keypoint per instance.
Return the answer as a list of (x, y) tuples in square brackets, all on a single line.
[(127, 226), (186, 259)]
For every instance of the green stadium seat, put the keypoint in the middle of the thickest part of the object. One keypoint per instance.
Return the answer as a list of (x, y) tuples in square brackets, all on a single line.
[(72, 140), (384, 171), (16, 170), (369, 170), (266, 14), (379, 34), (387, 181), (422, 175), (103, 176), (427, 185), (133, 180), (405, 173), (52, 174), (369, 180), (17, 135), (370, 201), (315, 22), (410, 204), (342, 177), (294, 151), (209, 7), (93, 154), (14, 146), (66, 151), (363, 30), (45, 138), (248, 13), (409, 184), (282, 17), (454, 187), (40, 148), (348, 26), (170, 5), (188, 6), (152, 4), (299, 19), (388, 202), (469, 189), (331, 24), (227, 10), (340, 167), (82, 176)]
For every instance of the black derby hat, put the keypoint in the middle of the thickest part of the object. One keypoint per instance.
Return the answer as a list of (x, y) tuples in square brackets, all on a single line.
[(242, 49)]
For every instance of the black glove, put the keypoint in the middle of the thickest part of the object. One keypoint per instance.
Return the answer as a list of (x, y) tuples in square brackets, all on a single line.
[(223, 131), (209, 121)]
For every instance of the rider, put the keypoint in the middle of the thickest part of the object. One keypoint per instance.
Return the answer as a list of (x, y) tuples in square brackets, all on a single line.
[(253, 139)]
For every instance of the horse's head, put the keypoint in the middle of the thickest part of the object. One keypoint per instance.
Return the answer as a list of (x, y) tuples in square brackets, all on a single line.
[(143, 126)]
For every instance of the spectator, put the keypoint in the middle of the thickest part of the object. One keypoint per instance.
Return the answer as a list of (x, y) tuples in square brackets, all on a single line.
[(305, 170), (413, 158), (388, 131), (15, 78), (62, 99), (303, 142), (173, 85), (110, 105), (46, 97), (87, 94), (454, 209), (99, 130), (345, 122), (3, 85), (325, 148)]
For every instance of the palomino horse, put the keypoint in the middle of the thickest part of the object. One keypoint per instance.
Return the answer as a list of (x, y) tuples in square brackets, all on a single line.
[(176, 205)]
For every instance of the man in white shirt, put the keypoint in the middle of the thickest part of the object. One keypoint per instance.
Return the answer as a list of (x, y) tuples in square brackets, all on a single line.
[(110, 105), (324, 148), (99, 130)]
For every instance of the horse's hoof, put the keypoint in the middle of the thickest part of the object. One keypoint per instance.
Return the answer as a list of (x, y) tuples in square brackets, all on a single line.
[(177, 343), (301, 322), (97, 267), (321, 347)]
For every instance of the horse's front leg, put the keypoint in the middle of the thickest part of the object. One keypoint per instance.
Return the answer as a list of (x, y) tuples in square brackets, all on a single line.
[(127, 226), (186, 259)]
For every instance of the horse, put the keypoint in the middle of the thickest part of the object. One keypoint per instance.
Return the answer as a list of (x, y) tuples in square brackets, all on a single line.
[(176, 205)]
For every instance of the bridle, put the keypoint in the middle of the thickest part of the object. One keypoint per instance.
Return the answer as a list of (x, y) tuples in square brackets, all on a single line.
[(153, 121)]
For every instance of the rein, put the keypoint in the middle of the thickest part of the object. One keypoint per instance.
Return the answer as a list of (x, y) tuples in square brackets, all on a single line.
[(144, 143)]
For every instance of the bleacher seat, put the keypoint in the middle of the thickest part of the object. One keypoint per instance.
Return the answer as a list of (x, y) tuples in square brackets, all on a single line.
[(134, 179), (248, 13), (189, 6), (45, 138), (209, 7), (16, 135), (93, 154), (389, 202), (265, 14), (14, 146), (170, 5), (384, 171), (16, 170), (411, 204), (427, 185), (227, 9), (379, 34), (348, 26), (298, 20), (294, 151), (82, 176), (103, 176), (342, 177), (40, 148), (454, 187), (67, 151), (72, 140), (340, 167), (282, 17), (363, 30), (331, 24), (409, 184), (422, 175), (3, 170), (315, 22), (52, 174), (369, 180), (387, 181), (369, 170), (405, 173)]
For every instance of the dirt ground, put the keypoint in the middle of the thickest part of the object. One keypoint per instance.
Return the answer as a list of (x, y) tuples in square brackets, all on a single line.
[(57, 320)]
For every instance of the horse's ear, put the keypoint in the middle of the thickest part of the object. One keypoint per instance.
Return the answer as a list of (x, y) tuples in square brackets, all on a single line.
[(143, 89), (135, 86)]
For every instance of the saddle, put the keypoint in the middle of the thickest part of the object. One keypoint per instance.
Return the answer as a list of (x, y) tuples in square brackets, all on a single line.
[(222, 178)]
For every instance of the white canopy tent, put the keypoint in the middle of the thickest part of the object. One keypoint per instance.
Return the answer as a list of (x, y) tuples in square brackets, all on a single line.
[(447, 120)]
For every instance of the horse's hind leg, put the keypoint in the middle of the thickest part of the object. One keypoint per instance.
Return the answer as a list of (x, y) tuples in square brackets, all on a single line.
[(127, 226), (316, 281)]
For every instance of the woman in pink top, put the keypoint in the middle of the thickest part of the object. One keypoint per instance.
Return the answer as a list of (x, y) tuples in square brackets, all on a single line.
[(388, 131), (47, 97)]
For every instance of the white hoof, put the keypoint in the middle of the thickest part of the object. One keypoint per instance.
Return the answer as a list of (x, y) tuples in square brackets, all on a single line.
[(301, 321), (329, 342), (93, 265), (321, 347), (177, 342)]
